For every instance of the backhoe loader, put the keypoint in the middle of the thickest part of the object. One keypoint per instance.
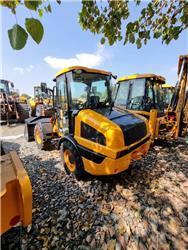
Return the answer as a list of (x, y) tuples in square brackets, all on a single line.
[(12, 108), (91, 134), (144, 95), (41, 104), (16, 193)]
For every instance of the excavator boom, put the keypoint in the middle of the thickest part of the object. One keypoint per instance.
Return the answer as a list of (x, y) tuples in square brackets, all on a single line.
[(179, 104)]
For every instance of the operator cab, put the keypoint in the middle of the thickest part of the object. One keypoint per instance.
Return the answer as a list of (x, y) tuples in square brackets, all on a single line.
[(79, 88), (4, 86), (168, 93), (140, 92)]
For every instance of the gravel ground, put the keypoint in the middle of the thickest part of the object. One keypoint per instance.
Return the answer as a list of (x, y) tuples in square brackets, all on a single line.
[(142, 208)]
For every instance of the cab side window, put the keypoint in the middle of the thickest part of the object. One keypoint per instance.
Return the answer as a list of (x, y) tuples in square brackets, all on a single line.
[(61, 92)]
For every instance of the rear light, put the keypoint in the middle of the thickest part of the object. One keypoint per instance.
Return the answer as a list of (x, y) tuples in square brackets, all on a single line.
[(15, 220)]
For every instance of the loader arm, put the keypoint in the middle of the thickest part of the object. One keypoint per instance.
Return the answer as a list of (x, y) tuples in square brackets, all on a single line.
[(178, 105)]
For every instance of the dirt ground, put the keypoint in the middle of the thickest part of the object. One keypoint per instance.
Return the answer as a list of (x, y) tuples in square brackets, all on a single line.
[(146, 207)]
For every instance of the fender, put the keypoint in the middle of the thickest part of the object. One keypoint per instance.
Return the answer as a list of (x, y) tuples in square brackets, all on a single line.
[(70, 139)]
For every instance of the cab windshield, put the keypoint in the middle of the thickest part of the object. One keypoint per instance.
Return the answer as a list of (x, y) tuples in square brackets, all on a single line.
[(89, 90), (4, 86), (130, 94), (168, 93), (140, 94)]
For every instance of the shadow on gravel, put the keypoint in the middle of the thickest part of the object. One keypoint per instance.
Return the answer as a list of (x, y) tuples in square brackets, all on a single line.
[(9, 146)]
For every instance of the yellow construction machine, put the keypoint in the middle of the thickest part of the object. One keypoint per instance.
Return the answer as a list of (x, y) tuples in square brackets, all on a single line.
[(41, 104), (144, 95), (91, 134), (13, 109), (16, 193)]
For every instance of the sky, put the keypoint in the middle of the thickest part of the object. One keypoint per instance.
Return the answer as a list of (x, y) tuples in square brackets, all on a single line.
[(65, 44)]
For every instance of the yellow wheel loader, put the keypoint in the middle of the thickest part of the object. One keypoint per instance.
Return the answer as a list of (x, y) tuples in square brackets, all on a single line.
[(91, 134), (16, 193), (12, 108), (41, 104), (144, 94)]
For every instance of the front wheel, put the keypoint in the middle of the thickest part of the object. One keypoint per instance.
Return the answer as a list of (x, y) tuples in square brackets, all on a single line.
[(40, 140), (71, 160)]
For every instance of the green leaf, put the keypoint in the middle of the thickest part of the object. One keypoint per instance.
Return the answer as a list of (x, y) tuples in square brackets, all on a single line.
[(32, 5), (102, 40), (35, 29), (49, 8), (17, 37), (157, 34), (40, 11), (138, 43), (132, 38)]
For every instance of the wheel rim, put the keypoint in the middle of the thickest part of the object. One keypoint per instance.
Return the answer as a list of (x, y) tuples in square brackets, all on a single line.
[(38, 137), (69, 160)]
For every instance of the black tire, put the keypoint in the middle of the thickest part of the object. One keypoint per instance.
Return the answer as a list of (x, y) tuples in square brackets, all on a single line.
[(39, 110), (40, 140), (78, 172), (23, 111)]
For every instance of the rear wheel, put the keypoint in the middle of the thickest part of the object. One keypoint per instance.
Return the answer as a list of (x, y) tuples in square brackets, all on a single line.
[(71, 160), (23, 111), (40, 140)]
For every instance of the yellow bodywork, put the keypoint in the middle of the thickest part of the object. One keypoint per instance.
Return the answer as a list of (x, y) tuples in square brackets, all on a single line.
[(114, 144), (168, 86), (22, 99), (90, 70), (16, 193), (137, 76), (32, 103)]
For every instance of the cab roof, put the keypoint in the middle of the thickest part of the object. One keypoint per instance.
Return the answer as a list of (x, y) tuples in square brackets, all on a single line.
[(137, 76), (89, 70), (168, 86)]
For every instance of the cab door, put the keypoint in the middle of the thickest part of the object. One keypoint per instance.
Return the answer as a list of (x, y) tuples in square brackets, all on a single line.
[(62, 105)]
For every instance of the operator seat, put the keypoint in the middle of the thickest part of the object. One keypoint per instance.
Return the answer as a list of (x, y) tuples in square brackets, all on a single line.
[(94, 100)]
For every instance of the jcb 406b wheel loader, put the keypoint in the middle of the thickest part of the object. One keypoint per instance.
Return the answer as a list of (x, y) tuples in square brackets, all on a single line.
[(16, 193), (92, 135), (12, 109), (144, 95)]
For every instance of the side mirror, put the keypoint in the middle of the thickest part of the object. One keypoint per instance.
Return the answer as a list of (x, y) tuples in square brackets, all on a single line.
[(12, 84)]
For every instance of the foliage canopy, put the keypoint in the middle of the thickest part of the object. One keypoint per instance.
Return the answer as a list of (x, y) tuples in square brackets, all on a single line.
[(164, 19)]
